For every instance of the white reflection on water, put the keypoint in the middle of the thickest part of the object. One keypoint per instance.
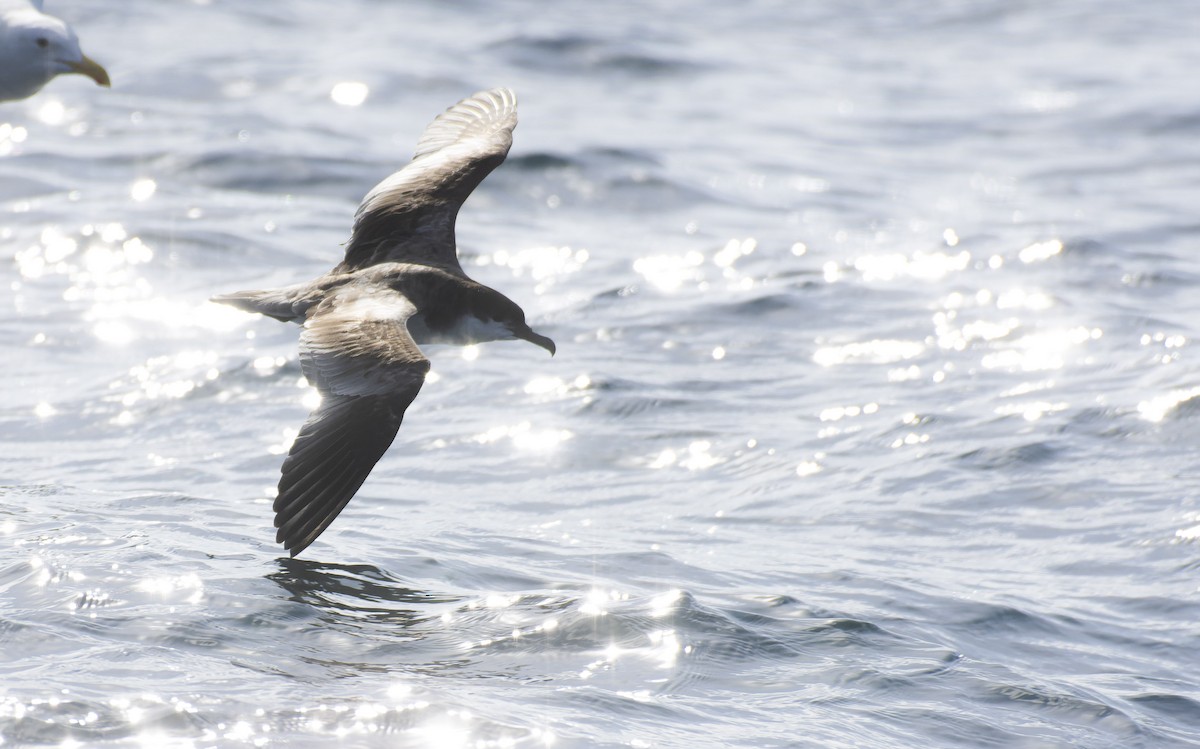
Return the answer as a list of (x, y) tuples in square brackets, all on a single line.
[(663, 604), (500, 600), (837, 413), (831, 272), (10, 137), (697, 456), (1024, 299), (312, 397), (283, 440), (48, 255), (1044, 100), (190, 586), (952, 336), (549, 387), (47, 573), (1171, 343), (1031, 411), (904, 374), (167, 377), (525, 437), (597, 601), (135, 314), (1040, 251), (909, 440), (1025, 388), (734, 250), (244, 732), (837, 420), (670, 272), (545, 265), (1192, 533), (102, 264), (661, 647), (267, 365), (808, 468), (1157, 408), (878, 351), (665, 647), (114, 332), (923, 266), (1040, 351), (349, 93), (53, 112), (450, 731), (143, 190)]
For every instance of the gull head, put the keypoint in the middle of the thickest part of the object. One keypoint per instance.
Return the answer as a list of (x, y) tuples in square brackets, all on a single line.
[(35, 48)]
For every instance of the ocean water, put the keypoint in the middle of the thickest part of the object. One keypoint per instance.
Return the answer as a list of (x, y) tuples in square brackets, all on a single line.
[(873, 421)]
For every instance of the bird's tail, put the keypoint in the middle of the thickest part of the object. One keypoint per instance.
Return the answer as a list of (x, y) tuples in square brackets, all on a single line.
[(282, 304)]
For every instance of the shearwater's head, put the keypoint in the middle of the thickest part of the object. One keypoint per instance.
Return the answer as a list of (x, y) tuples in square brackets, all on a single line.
[(35, 48), (507, 320)]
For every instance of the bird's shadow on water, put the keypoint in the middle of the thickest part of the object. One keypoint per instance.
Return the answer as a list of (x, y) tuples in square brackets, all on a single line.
[(359, 593), (348, 620)]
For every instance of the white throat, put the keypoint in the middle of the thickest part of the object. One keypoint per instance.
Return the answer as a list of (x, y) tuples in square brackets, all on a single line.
[(466, 330)]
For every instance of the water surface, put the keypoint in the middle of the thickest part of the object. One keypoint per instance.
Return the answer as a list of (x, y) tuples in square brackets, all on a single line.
[(872, 422)]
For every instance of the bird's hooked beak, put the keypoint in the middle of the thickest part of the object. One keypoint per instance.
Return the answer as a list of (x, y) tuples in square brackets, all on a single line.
[(525, 333), (92, 69)]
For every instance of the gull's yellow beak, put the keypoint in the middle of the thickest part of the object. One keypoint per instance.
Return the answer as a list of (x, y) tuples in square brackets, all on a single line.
[(92, 69)]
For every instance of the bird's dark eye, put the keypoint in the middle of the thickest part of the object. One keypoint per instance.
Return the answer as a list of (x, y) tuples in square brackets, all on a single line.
[(43, 42)]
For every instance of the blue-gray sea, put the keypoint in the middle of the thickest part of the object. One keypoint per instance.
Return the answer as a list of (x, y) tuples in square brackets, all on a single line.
[(873, 422)]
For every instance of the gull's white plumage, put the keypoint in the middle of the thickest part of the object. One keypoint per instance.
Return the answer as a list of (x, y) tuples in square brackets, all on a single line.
[(36, 47)]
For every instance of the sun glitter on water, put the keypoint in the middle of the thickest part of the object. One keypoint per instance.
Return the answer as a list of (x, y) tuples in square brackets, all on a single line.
[(349, 93)]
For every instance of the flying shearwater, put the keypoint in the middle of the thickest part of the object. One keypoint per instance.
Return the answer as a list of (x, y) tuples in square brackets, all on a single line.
[(399, 285)]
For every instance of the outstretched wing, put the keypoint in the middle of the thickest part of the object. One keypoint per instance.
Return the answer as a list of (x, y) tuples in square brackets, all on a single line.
[(409, 217), (357, 350)]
